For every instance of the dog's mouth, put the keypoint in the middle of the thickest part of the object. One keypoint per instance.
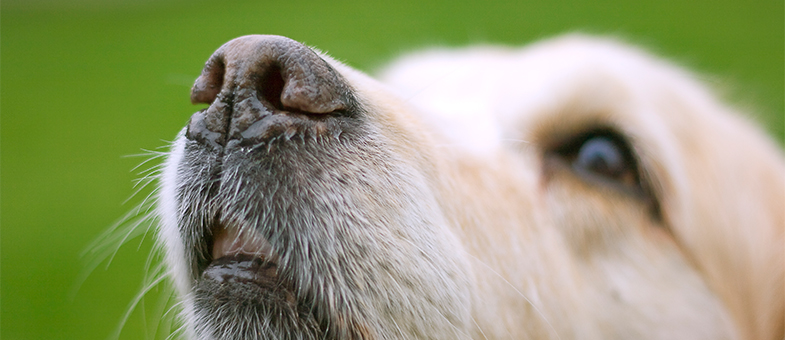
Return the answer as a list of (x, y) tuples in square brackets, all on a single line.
[(228, 242), (244, 281), (245, 265), (239, 255)]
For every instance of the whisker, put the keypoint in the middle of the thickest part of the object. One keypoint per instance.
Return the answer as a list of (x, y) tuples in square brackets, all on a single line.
[(479, 328), (542, 315), (452, 325), (135, 302), (151, 156), (154, 169), (136, 223), (175, 307), (161, 318), (105, 246), (148, 179), (428, 254)]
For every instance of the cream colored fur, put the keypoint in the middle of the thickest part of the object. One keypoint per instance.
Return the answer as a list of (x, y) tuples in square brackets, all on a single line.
[(530, 250), (712, 268)]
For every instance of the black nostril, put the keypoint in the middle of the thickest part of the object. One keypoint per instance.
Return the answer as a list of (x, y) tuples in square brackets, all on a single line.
[(252, 78), (271, 87), (212, 77)]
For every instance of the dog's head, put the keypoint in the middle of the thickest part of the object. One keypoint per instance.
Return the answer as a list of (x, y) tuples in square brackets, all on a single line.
[(575, 189)]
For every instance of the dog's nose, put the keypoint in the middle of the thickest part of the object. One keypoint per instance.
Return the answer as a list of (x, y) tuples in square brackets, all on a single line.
[(255, 77)]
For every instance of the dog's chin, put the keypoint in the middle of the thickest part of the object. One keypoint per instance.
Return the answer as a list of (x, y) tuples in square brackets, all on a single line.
[(241, 294), (244, 297)]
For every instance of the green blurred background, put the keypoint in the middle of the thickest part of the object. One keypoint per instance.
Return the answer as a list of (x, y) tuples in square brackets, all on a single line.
[(84, 83)]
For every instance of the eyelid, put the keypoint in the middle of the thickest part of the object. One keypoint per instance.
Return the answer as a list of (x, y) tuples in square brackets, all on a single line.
[(569, 151), (562, 153)]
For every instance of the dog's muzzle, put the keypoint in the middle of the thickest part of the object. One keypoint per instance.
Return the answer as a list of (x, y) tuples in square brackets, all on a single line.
[(263, 92)]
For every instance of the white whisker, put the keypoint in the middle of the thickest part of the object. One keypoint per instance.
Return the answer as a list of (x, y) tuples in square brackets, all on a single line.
[(542, 315), (136, 300)]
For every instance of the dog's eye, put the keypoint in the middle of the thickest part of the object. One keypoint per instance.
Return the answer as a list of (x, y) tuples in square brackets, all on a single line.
[(601, 156)]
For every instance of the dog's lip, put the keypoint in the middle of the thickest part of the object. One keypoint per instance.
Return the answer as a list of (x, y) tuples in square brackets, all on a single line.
[(242, 269), (241, 257), (233, 241)]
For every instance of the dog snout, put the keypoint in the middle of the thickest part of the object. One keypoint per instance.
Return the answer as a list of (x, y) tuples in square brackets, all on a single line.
[(260, 87)]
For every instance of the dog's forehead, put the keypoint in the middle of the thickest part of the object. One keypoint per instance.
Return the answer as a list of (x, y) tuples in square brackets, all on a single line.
[(454, 95), (484, 97)]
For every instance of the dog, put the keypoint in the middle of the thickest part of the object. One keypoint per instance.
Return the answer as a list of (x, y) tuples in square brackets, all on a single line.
[(577, 188)]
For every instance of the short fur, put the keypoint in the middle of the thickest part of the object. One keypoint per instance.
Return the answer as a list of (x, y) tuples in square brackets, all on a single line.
[(444, 208)]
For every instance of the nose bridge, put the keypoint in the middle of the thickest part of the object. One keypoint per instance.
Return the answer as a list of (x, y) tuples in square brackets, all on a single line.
[(256, 76)]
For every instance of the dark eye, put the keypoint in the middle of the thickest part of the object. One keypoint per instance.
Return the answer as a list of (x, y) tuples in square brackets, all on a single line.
[(601, 155)]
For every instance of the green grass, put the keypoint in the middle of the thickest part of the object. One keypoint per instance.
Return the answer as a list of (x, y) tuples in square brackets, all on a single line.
[(84, 83)]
